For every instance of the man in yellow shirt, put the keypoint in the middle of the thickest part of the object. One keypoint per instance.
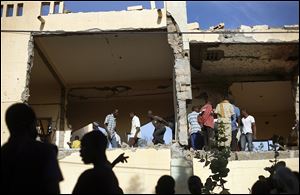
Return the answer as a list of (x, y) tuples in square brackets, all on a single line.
[(225, 111), (76, 143)]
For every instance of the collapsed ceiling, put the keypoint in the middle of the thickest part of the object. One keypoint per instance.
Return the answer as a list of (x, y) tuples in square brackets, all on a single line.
[(238, 60)]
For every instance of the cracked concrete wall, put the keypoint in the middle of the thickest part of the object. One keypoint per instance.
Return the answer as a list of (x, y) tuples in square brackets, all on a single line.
[(182, 77), (297, 99), (14, 66), (269, 35), (179, 12), (181, 166)]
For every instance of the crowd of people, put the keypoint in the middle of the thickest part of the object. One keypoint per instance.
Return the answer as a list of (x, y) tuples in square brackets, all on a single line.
[(29, 165), (135, 136), (204, 122)]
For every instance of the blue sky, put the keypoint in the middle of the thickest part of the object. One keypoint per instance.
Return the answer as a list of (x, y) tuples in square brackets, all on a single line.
[(210, 13)]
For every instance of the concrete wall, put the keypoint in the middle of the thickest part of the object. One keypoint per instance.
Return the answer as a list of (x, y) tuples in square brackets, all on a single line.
[(139, 175), (243, 173), (145, 166)]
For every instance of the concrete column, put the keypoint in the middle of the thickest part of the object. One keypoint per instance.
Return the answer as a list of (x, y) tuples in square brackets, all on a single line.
[(152, 4), (178, 11), (182, 74), (181, 168), (61, 7), (51, 8), (61, 139), (181, 164), (297, 106), (297, 99), (15, 10), (4, 10), (61, 142)]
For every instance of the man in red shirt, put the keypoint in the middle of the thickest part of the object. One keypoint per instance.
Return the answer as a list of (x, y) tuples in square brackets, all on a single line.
[(206, 120)]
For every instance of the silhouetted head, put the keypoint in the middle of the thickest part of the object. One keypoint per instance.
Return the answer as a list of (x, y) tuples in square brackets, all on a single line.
[(195, 108), (93, 145), (150, 114), (165, 185), (116, 112), (244, 112), (195, 185), (286, 181), (225, 96), (76, 137), (261, 187), (203, 96), (131, 114), (21, 120)]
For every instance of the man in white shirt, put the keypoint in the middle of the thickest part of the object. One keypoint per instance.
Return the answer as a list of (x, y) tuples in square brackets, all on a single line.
[(135, 133), (248, 131)]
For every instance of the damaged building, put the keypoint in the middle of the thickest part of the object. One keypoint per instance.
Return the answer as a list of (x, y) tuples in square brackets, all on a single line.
[(75, 68)]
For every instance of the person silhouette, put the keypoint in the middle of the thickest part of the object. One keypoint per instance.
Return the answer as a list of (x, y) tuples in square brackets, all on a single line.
[(27, 165), (101, 178), (165, 185), (195, 185)]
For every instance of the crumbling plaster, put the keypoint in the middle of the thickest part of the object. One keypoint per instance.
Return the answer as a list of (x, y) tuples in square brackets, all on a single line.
[(246, 34)]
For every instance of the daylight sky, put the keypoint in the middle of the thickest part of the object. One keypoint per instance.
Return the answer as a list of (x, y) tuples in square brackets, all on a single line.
[(210, 13)]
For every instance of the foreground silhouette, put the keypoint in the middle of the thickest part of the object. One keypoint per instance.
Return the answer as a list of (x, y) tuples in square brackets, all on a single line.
[(195, 185), (165, 185), (101, 178), (27, 165)]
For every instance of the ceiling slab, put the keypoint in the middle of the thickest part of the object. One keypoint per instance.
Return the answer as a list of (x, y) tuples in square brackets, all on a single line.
[(96, 58), (236, 60)]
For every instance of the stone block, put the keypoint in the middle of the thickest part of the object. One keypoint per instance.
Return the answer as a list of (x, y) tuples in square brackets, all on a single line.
[(261, 27), (193, 26), (137, 7)]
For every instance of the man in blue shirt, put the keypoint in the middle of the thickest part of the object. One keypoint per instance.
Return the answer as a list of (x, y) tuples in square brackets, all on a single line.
[(235, 121)]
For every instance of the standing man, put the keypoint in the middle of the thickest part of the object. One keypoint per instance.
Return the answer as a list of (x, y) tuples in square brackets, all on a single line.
[(160, 128), (154, 118), (225, 111), (248, 130), (195, 129), (159, 132), (110, 125), (206, 119), (27, 166), (235, 123), (135, 133)]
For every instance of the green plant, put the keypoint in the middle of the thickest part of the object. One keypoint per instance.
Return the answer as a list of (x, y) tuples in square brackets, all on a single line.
[(275, 146), (217, 160)]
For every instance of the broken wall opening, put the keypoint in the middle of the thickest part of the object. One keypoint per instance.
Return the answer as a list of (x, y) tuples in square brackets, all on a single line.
[(45, 94), (91, 74), (258, 76), (271, 103)]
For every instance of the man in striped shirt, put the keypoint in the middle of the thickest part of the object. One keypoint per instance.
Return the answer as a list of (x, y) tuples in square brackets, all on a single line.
[(194, 129), (110, 125)]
